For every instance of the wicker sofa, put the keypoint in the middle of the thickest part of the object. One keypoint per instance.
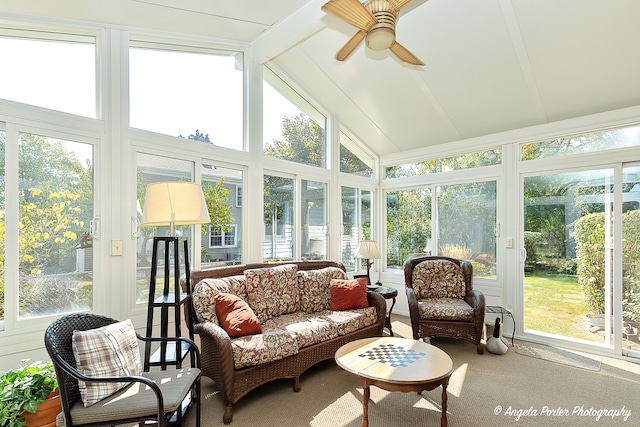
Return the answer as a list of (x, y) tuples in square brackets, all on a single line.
[(298, 327)]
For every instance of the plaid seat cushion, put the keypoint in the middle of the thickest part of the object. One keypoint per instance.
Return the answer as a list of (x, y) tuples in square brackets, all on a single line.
[(109, 351)]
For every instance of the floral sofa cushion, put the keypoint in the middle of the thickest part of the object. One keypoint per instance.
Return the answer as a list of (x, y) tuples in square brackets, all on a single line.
[(273, 291), (270, 345), (438, 279), (307, 329), (205, 291), (351, 320), (313, 286), (455, 309)]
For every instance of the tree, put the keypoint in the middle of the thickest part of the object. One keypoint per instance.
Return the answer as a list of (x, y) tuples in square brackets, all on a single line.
[(55, 209), (303, 142), (217, 200), (350, 163), (198, 137), (408, 224)]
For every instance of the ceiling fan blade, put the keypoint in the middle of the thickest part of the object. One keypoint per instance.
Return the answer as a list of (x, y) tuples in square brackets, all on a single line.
[(350, 45), (352, 12), (399, 4), (404, 54)]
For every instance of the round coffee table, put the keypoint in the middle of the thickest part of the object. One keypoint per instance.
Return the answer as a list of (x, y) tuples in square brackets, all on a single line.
[(396, 364)]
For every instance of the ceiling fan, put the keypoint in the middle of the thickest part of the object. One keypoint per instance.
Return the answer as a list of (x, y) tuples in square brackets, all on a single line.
[(376, 22)]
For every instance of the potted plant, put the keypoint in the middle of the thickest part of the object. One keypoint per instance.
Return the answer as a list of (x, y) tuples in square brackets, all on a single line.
[(31, 389)]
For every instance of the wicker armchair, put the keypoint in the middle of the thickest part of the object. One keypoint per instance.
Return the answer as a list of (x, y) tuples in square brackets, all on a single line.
[(153, 396), (442, 301)]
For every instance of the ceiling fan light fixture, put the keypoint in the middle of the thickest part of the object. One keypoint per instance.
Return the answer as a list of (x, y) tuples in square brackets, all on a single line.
[(380, 38)]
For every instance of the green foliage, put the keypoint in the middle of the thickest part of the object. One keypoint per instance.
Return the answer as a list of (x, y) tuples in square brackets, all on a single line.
[(55, 204), (465, 161), (408, 223), (590, 255), (217, 199), (24, 389), (350, 163), (589, 235), (570, 266), (531, 241), (304, 142)]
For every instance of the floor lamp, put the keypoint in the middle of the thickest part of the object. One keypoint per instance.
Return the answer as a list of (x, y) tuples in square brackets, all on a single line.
[(170, 204), (368, 249)]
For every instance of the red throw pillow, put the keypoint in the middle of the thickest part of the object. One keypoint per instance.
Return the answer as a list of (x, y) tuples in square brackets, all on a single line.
[(346, 294), (235, 316)]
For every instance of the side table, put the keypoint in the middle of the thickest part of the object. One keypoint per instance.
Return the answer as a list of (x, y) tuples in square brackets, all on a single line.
[(496, 309), (387, 292)]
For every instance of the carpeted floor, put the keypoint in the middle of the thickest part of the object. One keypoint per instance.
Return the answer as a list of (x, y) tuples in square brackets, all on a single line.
[(558, 355), (485, 390)]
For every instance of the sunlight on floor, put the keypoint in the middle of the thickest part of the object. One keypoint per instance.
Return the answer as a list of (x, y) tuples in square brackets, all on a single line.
[(347, 400), (457, 380)]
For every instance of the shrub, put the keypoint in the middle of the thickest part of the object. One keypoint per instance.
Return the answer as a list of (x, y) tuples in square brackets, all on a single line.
[(590, 256), (531, 241)]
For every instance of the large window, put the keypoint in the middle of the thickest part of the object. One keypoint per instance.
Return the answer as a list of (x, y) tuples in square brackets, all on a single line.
[(188, 92), (463, 225), (279, 218), (55, 184), (353, 159), (314, 220), (2, 222), (467, 225), (49, 70), (583, 143), (292, 128), (152, 169), (447, 164), (220, 186), (408, 225), (356, 223)]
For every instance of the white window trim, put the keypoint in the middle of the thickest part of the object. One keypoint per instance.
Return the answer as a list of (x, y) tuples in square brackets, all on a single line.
[(223, 237)]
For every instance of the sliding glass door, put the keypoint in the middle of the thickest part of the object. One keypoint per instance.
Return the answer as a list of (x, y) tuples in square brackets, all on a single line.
[(631, 260), (567, 255), (581, 280)]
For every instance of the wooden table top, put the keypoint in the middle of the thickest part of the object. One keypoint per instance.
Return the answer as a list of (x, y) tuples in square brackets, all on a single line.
[(394, 360)]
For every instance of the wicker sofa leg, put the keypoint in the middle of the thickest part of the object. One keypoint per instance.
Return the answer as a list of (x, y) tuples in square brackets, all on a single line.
[(296, 384), (228, 414), (479, 348)]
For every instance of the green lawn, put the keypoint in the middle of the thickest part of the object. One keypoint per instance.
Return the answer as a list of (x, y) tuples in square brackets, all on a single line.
[(555, 304)]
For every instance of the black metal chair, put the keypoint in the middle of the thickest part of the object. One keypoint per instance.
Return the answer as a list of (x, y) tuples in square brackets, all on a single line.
[(159, 396)]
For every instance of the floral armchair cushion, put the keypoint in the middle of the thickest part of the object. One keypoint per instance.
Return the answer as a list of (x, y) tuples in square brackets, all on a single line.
[(314, 288), (273, 291), (438, 279)]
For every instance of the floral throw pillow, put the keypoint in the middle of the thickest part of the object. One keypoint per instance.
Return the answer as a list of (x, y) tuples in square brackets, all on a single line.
[(273, 291), (438, 279), (314, 288)]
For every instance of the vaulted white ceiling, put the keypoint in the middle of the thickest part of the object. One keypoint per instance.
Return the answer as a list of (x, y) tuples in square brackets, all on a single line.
[(491, 65)]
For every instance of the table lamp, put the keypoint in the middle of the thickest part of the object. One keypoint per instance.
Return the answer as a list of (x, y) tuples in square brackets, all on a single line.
[(368, 249)]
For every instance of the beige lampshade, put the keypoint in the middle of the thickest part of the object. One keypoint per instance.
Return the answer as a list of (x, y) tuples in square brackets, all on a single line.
[(174, 203), (368, 249)]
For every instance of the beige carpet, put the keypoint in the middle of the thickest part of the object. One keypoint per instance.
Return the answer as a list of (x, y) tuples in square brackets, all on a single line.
[(485, 390)]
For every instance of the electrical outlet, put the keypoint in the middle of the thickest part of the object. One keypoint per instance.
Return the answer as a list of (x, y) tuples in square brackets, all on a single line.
[(116, 247), (509, 242)]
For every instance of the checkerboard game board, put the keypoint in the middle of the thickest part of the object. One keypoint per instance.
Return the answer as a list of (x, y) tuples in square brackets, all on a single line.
[(392, 355)]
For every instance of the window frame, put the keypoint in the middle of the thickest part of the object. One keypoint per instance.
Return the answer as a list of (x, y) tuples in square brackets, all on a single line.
[(223, 237)]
